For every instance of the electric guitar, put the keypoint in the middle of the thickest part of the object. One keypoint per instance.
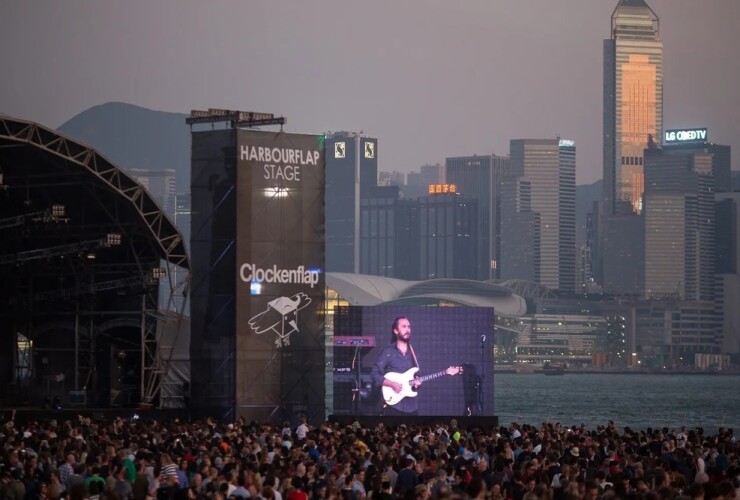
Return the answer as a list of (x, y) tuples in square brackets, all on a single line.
[(408, 385)]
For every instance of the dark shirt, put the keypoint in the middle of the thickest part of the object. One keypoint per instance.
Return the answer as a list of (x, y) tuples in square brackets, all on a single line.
[(407, 480), (392, 360)]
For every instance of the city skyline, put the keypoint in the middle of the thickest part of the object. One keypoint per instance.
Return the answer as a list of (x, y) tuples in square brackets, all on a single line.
[(429, 80)]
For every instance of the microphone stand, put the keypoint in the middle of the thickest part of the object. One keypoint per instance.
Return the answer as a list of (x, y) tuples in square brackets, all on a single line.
[(482, 376), (357, 366)]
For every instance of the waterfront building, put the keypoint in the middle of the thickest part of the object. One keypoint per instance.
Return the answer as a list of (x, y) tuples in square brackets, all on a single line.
[(574, 339), (538, 214), (481, 177), (671, 332), (727, 265), (633, 102), (351, 174), (633, 112), (679, 221), (391, 178), (389, 235), (448, 236)]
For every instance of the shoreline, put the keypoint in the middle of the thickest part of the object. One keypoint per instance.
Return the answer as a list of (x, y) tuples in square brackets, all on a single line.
[(587, 371)]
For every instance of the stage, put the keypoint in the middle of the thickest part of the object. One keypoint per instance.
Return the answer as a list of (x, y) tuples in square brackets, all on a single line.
[(30, 414), (462, 422)]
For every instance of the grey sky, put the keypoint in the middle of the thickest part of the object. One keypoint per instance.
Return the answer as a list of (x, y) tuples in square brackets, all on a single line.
[(428, 78)]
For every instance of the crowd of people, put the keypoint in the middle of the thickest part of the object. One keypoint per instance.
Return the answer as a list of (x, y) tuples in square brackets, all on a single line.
[(121, 459)]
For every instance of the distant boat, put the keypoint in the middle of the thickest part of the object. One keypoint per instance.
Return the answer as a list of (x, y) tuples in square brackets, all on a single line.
[(554, 368)]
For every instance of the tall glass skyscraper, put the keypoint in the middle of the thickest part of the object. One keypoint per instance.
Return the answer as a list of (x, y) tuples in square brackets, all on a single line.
[(538, 214), (633, 103)]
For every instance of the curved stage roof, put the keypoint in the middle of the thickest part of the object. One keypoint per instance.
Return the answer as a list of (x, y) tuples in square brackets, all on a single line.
[(42, 168), (366, 290), (81, 251)]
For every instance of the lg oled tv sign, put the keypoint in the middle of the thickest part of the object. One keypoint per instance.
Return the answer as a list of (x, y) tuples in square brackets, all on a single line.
[(280, 263), (685, 135)]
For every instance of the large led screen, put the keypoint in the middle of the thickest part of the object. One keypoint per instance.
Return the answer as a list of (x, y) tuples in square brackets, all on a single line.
[(450, 351)]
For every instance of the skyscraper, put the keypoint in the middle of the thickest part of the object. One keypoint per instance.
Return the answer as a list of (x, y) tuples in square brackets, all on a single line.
[(679, 216), (480, 177), (389, 235), (447, 236), (633, 102), (538, 214), (728, 268), (351, 174), (161, 184)]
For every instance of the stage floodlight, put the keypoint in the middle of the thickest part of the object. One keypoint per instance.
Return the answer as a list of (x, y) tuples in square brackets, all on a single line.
[(57, 210), (112, 239), (158, 273)]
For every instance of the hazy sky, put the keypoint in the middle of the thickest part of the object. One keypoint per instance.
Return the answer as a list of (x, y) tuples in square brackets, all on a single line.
[(428, 78)]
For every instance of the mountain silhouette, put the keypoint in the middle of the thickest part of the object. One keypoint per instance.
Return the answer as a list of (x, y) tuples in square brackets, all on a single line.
[(135, 137)]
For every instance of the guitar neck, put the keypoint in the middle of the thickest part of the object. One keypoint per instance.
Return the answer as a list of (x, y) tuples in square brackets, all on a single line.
[(432, 376)]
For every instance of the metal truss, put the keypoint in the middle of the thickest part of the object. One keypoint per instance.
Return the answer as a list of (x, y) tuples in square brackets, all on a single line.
[(164, 231), (91, 288), (55, 251), (156, 356), (79, 157)]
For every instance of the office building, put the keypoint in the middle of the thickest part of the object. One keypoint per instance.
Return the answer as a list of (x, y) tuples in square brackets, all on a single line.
[(428, 174), (391, 178), (573, 339), (538, 214), (679, 215), (721, 167), (727, 266), (622, 253), (480, 177), (633, 113), (633, 102), (161, 184), (417, 182), (448, 235), (671, 332), (389, 235), (351, 174)]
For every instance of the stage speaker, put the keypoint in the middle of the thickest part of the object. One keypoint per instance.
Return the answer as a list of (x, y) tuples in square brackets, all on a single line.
[(472, 390), (343, 397), (77, 398)]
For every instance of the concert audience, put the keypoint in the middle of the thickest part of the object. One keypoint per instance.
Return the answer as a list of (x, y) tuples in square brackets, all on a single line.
[(120, 459)]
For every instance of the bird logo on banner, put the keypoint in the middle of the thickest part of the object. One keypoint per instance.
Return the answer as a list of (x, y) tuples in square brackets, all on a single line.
[(280, 317)]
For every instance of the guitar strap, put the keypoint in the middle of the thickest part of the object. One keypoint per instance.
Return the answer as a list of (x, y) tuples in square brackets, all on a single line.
[(413, 355)]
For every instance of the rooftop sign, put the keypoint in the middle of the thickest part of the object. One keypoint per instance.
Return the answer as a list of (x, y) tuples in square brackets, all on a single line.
[(686, 135), (441, 188)]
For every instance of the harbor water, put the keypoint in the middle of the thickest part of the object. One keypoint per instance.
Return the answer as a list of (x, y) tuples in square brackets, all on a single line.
[(635, 400)]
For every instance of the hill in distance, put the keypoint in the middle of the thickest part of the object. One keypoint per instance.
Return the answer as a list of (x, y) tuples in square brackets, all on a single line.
[(135, 137)]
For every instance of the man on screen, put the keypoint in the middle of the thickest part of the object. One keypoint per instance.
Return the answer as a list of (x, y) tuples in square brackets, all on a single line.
[(395, 372)]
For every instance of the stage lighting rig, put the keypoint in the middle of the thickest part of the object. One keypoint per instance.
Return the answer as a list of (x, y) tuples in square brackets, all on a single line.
[(236, 118), (54, 214), (112, 240), (57, 210), (82, 248)]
